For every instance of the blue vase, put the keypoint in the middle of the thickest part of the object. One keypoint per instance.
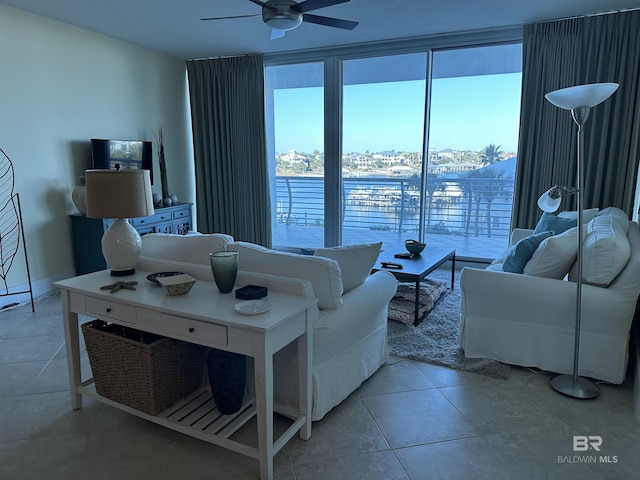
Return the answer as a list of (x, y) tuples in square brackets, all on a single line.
[(227, 375)]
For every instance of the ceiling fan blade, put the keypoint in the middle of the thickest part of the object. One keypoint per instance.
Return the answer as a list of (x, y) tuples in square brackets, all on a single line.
[(226, 18), (309, 5), (262, 4), (330, 22), (275, 34)]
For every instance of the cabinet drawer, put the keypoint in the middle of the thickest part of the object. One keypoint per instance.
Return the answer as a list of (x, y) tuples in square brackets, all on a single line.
[(158, 217), (105, 309), (182, 213), (193, 329)]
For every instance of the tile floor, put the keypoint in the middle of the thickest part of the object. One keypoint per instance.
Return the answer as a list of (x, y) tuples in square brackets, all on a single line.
[(411, 420)]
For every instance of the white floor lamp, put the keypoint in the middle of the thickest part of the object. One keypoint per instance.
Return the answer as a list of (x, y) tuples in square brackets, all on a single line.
[(579, 100)]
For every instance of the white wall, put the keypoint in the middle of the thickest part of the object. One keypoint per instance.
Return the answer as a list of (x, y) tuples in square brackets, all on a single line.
[(59, 87)]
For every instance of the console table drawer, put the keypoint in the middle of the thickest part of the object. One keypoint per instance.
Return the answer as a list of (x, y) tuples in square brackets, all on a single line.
[(193, 329), (105, 309)]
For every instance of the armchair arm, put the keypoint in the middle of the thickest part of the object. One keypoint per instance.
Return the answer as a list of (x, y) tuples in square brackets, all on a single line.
[(526, 299), (368, 299)]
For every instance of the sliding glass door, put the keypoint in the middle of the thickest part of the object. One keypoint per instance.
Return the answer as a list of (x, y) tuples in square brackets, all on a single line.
[(295, 143), (383, 109), (473, 138)]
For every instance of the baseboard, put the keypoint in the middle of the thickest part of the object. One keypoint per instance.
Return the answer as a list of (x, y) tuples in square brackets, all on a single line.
[(39, 288)]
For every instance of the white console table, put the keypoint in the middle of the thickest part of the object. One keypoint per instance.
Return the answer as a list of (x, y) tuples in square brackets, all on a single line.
[(205, 317)]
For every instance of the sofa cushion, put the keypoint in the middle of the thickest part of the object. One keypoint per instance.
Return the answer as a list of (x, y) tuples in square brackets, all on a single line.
[(355, 261), (554, 256), (519, 254), (587, 214), (184, 248), (554, 223), (618, 215), (605, 252), (323, 273)]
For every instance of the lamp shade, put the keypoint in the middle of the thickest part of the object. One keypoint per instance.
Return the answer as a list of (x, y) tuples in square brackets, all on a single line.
[(547, 203), (581, 96), (118, 193)]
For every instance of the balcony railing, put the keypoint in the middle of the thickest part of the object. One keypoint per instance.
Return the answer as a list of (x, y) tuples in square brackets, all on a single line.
[(469, 208)]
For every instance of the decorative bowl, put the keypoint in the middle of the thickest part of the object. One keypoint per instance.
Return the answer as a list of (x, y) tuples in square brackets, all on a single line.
[(177, 284), (414, 247)]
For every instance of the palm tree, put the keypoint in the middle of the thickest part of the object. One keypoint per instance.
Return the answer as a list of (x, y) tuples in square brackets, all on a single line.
[(490, 154), (480, 188)]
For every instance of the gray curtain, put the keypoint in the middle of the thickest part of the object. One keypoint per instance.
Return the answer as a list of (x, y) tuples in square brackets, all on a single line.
[(227, 112), (604, 48)]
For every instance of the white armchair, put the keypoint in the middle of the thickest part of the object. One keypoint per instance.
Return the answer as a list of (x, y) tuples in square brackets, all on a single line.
[(529, 321)]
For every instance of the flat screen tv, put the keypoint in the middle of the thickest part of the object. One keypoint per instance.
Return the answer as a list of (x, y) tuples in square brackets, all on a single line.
[(129, 154)]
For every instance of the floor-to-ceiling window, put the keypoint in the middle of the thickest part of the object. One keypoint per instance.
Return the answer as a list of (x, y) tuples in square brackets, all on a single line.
[(295, 143), (473, 138), (383, 109), (426, 147)]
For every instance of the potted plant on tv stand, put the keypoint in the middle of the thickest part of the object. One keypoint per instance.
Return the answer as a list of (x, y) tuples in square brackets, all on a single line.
[(167, 198)]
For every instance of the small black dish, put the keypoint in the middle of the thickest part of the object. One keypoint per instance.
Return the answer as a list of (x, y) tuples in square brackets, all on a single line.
[(251, 292), (155, 276)]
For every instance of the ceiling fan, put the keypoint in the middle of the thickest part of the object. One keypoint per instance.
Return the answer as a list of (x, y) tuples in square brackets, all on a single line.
[(285, 15)]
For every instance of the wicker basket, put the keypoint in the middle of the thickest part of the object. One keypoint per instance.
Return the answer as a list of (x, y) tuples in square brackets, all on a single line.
[(142, 370)]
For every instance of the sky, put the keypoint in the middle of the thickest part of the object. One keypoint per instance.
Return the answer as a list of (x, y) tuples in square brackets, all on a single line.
[(467, 113)]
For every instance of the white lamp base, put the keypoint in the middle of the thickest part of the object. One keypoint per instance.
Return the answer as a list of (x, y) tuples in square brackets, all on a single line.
[(121, 247)]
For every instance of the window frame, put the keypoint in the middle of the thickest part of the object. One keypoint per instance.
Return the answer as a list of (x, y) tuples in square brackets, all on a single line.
[(333, 58)]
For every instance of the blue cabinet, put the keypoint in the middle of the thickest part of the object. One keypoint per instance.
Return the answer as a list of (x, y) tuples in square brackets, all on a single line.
[(87, 233)]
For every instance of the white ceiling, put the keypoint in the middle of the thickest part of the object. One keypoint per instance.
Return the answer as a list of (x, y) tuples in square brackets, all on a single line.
[(174, 26)]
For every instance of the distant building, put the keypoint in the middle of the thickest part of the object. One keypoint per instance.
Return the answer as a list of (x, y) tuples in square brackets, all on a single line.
[(361, 160), (447, 153), (292, 158), (390, 157)]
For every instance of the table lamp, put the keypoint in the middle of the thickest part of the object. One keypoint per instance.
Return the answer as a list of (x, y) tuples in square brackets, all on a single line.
[(119, 194)]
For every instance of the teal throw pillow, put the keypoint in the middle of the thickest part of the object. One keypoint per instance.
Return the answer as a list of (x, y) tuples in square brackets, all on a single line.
[(553, 223), (518, 255)]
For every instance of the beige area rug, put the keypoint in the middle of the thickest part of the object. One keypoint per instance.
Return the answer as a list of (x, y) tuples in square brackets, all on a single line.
[(402, 305), (435, 339)]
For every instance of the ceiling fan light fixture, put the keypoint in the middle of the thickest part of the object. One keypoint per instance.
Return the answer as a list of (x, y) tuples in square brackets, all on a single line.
[(282, 19)]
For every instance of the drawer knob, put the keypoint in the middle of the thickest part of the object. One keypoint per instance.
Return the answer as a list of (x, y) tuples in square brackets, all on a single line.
[(108, 310), (191, 329)]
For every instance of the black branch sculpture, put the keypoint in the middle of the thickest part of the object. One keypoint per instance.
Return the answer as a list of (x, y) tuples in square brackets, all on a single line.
[(11, 228)]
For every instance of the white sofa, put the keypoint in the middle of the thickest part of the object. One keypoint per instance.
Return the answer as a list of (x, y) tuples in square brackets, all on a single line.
[(350, 333), (528, 319)]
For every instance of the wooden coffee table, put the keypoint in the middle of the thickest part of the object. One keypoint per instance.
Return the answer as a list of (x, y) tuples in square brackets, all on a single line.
[(415, 269)]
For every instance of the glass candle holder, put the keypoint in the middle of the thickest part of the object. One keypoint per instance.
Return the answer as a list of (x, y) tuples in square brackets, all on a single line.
[(224, 266)]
